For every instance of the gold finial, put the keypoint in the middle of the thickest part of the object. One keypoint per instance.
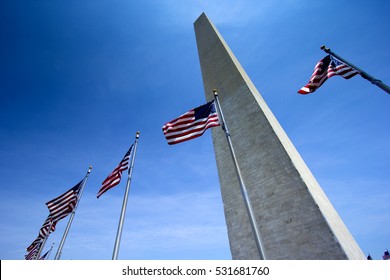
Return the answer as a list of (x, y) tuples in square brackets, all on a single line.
[(215, 92), (137, 134)]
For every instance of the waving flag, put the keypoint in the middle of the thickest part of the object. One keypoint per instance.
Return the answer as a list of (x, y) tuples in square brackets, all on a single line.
[(191, 124), (386, 255), (33, 252), (48, 227), (34, 244), (63, 205), (46, 255), (327, 67), (116, 175)]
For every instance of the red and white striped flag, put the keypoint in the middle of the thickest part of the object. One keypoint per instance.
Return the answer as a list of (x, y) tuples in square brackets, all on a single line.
[(36, 242), (116, 175), (32, 253), (48, 227), (63, 205), (326, 68), (191, 124)]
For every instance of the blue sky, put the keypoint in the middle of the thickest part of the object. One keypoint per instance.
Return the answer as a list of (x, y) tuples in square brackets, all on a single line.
[(79, 78)]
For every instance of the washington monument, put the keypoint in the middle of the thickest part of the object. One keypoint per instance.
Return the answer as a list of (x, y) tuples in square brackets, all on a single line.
[(294, 217)]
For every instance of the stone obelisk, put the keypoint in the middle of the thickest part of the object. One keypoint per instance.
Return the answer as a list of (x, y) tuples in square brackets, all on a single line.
[(294, 216)]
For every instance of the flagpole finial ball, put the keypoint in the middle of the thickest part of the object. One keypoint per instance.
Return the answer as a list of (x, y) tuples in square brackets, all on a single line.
[(90, 168), (215, 92), (137, 134), (324, 48)]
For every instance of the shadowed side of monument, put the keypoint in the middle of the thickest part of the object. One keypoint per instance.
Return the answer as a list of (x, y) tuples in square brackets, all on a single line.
[(295, 218)]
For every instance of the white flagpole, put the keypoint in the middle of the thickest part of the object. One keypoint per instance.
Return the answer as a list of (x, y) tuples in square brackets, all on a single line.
[(41, 248), (59, 250), (41, 245), (124, 204), (252, 219), (48, 254)]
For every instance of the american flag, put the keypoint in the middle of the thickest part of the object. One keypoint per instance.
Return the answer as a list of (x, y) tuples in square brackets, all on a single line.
[(116, 175), (326, 68), (191, 124), (43, 232), (63, 205), (34, 243), (48, 227), (32, 252), (386, 255), (44, 255)]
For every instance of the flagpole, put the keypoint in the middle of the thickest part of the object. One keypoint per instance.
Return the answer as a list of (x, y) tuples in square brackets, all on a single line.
[(41, 248), (124, 204), (362, 73), (252, 219), (59, 250), (51, 248)]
